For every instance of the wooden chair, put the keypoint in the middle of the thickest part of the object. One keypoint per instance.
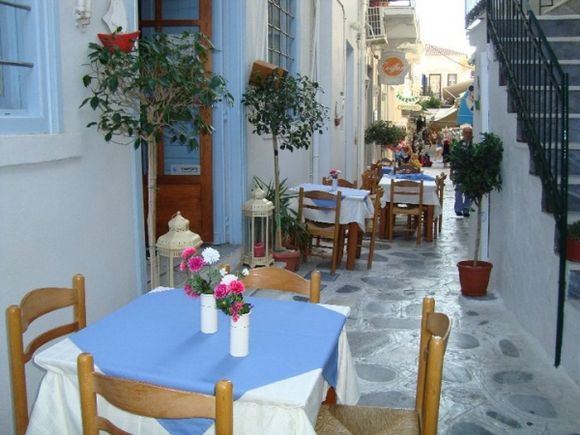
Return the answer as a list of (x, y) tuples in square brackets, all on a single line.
[(327, 181), (435, 329), (372, 226), (440, 189), (406, 199), (33, 305), (370, 180), (148, 400), (274, 278), (326, 202)]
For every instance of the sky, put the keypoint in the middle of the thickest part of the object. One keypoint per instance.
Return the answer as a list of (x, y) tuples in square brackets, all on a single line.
[(442, 23)]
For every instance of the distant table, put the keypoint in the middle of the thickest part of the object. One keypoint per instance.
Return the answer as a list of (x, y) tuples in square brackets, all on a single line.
[(430, 202), (295, 347), (356, 206)]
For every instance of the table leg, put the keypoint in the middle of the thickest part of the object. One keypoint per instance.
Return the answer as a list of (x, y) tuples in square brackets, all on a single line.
[(429, 223), (353, 235), (384, 224)]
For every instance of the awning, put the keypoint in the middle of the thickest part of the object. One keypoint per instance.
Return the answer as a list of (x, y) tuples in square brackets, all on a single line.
[(453, 92), (440, 118)]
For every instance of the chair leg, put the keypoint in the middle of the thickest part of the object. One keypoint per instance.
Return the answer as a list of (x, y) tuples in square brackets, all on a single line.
[(372, 248), (419, 232)]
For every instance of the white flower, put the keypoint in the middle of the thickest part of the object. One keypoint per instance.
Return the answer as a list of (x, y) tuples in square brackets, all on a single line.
[(245, 272), (223, 272), (229, 278), (210, 256)]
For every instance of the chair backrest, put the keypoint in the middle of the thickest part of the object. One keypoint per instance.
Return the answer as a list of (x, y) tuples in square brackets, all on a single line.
[(33, 305), (320, 201), (274, 278), (435, 329), (327, 181), (440, 186), (370, 180), (148, 400), (407, 191)]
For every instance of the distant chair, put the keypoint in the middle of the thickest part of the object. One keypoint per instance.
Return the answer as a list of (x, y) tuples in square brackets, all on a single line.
[(33, 305), (327, 181), (328, 203), (149, 400), (274, 278), (406, 199), (370, 179), (423, 420), (372, 226), (440, 189)]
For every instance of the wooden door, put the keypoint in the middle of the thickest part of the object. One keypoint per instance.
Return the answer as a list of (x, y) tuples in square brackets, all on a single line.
[(185, 177)]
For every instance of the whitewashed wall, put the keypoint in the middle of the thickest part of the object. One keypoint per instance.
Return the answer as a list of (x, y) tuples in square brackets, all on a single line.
[(521, 235), (68, 205), (321, 56)]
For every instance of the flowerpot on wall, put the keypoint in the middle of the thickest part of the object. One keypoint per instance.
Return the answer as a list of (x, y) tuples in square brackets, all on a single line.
[(573, 250), (124, 41), (291, 258), (474, 279)]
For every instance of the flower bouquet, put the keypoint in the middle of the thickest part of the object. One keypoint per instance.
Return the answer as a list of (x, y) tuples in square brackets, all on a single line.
[(202, 277), (334, 173)]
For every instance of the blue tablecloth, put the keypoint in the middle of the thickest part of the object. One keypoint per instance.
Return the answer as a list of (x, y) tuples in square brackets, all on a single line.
[(416, 177), (156, 338)]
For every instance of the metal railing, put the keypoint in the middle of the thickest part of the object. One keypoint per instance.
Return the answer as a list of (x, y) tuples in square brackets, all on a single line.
[(539, 91)]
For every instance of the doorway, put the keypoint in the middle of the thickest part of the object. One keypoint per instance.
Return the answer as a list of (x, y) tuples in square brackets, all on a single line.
[(184, 176)]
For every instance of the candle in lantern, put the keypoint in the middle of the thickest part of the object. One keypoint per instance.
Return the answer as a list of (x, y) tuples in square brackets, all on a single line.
[(259, 249)]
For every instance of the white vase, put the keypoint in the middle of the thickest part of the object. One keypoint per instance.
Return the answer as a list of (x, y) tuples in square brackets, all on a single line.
[(209, 314), (334, 184), (240, 336)]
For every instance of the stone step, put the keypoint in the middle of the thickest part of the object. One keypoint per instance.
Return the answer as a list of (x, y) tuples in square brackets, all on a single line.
[(562, 7), (559, 25), (547, 98), (573, 129)]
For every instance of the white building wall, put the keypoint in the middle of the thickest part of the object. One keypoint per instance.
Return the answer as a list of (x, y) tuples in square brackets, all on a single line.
[(68, 205), (323, 32), (521, 235)]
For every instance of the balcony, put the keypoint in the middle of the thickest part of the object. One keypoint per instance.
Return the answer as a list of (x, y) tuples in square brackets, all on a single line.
[(393, 24)]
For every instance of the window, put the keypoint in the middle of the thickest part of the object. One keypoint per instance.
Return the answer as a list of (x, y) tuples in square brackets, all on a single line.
[(451, 79), (280, 33), (28, 59), (435, 85)]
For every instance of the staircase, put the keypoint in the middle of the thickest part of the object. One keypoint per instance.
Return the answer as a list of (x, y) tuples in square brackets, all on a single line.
[(561, 25)]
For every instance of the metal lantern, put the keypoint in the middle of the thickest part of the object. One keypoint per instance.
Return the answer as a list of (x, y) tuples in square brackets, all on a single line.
[(258, 213), (172, 243)]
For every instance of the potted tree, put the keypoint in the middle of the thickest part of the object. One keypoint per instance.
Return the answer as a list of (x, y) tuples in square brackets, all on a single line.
[(573, 242), (160, 89), (285, 107), (477, 168), (384, 133)]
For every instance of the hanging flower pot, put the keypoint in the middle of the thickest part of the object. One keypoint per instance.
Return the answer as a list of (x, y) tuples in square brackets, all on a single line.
[(124, 41)]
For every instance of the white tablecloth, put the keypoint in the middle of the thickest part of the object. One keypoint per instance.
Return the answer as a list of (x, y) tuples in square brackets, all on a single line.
[(429, 194), (355, 206), (289, 406)]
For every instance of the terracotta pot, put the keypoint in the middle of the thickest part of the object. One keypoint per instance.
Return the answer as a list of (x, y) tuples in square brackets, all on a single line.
[(573, 250), (474, 279), (291, 258), (124, 41)]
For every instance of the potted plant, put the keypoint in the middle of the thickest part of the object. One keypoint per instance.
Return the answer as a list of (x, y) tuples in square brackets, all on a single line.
[(383, 133), (294, 233), (158, 90), (573, 242), (285, 107), (477, 168)]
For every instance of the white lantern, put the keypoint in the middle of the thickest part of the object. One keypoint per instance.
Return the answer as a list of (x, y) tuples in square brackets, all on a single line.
[(258, 213), (172, 243)]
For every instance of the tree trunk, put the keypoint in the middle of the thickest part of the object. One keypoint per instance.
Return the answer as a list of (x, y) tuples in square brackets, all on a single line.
[(478, 234), (278, 235), (152, 209)]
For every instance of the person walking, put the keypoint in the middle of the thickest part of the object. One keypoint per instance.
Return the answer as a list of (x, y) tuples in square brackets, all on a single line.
[(462, 201)]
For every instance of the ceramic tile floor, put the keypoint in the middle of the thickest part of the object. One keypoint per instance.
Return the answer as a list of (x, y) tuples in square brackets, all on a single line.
[(496, 379)]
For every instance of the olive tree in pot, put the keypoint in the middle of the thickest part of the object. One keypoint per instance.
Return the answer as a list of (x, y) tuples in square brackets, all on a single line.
[(285, 107), (477, 169), (383, 133), (160, 89)]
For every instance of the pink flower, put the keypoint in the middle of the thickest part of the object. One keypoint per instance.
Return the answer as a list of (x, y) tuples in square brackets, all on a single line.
[(188, 252), (221, 291), (182, 266), (189, 291), (237, 287), (195, 264)]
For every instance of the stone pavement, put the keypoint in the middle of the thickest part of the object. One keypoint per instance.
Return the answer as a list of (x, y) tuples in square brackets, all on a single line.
[(496, 378)]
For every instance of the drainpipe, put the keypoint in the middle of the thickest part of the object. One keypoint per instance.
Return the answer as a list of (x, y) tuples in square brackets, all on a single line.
[(345, 145), (315, 153), (361, 100)]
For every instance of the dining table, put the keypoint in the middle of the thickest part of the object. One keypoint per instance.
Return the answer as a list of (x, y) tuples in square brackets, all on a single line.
[(297, 351), (430, 201), (356, 206)]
